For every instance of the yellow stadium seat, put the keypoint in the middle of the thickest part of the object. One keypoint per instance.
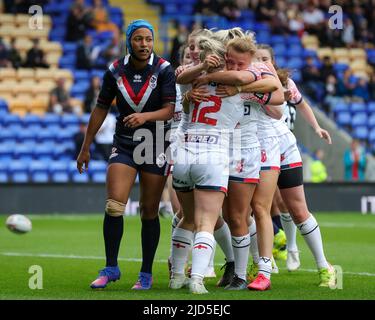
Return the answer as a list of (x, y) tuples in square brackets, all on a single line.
[(357, 53), (7, 31), (8, 74), (19, 106), (45, 74), (42, 97), (51, 47), (312, 46), (22, 19), (344, 60), (23, 88), (341, 53), (309, 40), (53, 59), (6, 18), (24, 96), (23, 44), (358, 66), (39, 33), (63, 73), (23, 31), (38, 104), (322, 52), (25, 73), (6, 88), (6, 96), (43, 87)]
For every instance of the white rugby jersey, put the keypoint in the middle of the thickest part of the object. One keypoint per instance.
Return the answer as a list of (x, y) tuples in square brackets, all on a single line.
[(290, 112), (178, 108), (210, 123)]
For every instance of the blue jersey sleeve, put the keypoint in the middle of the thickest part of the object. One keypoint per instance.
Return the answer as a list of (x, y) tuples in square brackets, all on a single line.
[(107, 91), (168, 86)]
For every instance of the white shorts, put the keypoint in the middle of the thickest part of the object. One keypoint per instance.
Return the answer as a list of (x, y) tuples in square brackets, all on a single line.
[(290, 156), (194, 175), (246, 169), (269, 153)]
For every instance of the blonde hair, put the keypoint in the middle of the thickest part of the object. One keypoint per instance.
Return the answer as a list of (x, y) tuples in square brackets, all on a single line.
[(200, 33), (208, 46), (245, 44)]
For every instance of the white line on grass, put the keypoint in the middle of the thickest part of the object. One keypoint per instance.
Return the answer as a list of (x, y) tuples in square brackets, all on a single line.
[(71, 256)]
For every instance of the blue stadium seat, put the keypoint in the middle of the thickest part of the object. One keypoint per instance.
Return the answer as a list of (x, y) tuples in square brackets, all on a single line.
[(65, 135), (81, 75), (356, 107), (26, 136), (80, 178), (361, 133), (68, 61), (30, 119), (97, 166), (85, 118), (40, 177), (44, 151), (37, 166), (340, 67), (57, 34), (297, 75), (292, 39), (6, 151), (3, 105), (277, 39), (295, 63), (99, 177), (3, 177), (97, 73), (60, 177), (18, 166), (371, 120), (19, 177), (340, 107), (69, 119), (69, 48), (343, 118), (281, 62), (58, 167), (7, 133), (263, 37), (359, 119), (309, 53), (50, 118), (295, 50), (79, 88), (10, 119), (371, 135), (46, 135), (23, 152), (371, 106)]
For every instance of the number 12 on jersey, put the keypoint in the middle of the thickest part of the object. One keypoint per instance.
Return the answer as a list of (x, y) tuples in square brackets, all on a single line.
[(213, 105)]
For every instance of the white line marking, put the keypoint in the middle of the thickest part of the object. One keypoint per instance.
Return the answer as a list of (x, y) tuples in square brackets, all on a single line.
[(71, 256)]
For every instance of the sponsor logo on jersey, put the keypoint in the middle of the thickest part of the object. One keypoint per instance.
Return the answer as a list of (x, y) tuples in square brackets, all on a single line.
[(153, 81), (202, 138), (282, 157), (113, 153), (137, 78), (240, 165)]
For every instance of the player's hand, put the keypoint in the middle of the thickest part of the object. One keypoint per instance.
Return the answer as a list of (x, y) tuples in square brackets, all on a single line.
[(287, 95), (211, 61), (83, 159), (226, 91), (201, 81), (198, 95), (179, 70), (134, 120), (324, 134)]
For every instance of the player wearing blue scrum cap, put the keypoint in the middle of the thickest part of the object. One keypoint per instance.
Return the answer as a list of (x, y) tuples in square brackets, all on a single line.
[(144, 87)]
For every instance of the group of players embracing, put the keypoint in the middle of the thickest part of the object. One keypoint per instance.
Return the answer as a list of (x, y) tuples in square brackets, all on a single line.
[(236, 161)]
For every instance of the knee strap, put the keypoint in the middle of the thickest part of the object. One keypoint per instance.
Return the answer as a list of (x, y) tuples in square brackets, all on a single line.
[(114, 208)]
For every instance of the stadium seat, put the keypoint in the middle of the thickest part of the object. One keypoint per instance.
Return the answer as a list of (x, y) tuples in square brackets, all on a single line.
[(4, 177), (3, 105), (43, 151), (359, 119), (371, 136), (6, 152), (23, 151), (46, 135), (371, 120), (98, 166), (80, 178), (295, 63), (58, 167), (18, 166), (19, 177), (26, 136), (30, 119), (39, 177), (60, 177), (98, 177), (69, 119), (356, 107), (343, 118), (361, 133), (50, 119), (10, 119)]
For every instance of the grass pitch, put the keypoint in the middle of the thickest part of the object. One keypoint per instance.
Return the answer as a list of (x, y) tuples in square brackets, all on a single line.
[(70, 250)]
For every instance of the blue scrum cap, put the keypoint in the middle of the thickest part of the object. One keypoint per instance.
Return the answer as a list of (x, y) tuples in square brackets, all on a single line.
[(133, 26)]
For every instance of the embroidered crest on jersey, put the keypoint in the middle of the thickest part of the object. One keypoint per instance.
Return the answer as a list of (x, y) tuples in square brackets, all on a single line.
[(282, 157)]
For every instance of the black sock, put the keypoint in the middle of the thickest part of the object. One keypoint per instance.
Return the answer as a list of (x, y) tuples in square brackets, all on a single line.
[(150, 241), (113, 228), (277, 221), (275, 227)]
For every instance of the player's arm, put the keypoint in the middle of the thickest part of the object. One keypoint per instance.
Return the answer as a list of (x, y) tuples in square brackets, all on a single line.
[(309, 116), (192, 73), (106, 95), (235, 78)]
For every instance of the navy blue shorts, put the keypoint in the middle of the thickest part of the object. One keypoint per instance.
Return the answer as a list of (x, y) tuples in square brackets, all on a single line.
[(129, 154)]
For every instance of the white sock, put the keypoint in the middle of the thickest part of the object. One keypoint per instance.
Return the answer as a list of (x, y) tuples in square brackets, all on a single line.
[(175, 221), (212, 258), (254, 242), (265, 267), (241, 254), (223, 238), (290, 231), (310, 231), (181, 245), (201, 253)]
